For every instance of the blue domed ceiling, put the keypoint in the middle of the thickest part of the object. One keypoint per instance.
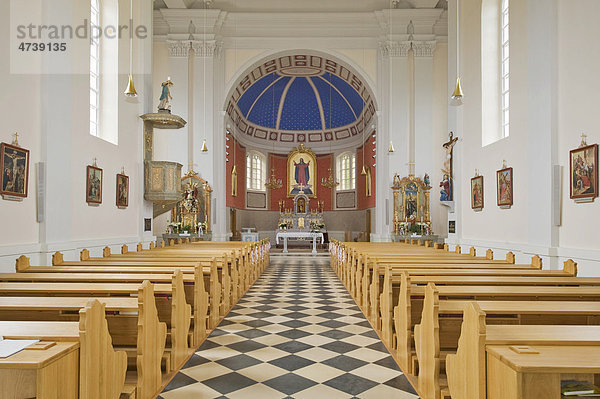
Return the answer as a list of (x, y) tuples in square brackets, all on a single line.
[(301, 102), (301, 98)]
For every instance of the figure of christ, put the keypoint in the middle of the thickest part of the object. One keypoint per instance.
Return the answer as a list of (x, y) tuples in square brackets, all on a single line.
[(302, 176)]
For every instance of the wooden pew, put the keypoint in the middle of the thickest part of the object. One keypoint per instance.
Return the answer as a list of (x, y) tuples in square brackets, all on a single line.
[(205, 292), (536, 372), (466, 370), (149, 337), (410, 301), (436, 334), (101, 370)]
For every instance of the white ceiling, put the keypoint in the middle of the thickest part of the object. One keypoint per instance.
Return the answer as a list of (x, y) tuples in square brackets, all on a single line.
[(301, 5)]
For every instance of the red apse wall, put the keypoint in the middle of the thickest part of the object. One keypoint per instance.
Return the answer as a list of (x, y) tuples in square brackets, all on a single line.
[(239, 201), (279, 163)]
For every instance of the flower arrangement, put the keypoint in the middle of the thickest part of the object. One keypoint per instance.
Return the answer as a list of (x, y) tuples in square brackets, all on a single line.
[(174, 227)]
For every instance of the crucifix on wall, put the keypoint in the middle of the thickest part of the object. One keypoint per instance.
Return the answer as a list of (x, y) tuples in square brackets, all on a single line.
[(447, 183)]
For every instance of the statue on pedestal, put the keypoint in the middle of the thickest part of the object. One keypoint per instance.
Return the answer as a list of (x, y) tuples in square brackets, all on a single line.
[(165, 96)]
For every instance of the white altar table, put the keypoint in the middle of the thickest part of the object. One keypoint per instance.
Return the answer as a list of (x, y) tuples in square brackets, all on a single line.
[(299, 234)]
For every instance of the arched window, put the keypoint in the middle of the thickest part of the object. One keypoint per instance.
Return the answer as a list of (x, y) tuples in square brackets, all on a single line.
[(255, 171), (94, 69), (346, 171)]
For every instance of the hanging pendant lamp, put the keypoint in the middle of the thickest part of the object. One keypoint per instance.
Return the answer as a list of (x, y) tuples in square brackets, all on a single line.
[(457, 95), (130, 91)]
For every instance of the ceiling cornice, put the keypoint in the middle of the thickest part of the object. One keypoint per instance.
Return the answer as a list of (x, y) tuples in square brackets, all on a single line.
[(429, 24)]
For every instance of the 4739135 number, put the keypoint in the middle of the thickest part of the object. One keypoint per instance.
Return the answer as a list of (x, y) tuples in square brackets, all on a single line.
[(35, 46)]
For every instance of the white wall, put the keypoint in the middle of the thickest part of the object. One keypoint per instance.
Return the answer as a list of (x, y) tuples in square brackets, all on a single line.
[(551, 98), (51, 114)]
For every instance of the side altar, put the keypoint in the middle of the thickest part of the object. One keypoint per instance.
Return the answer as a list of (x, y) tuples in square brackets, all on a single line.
[(412, 216), (300, 223)]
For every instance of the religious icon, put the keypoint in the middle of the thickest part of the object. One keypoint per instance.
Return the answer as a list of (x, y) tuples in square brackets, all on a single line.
[(504, 180), (477, 193), (584, 172), (93, 193), (122, 190), (165, 96), (14, 164), (301, 172), (446, 183)]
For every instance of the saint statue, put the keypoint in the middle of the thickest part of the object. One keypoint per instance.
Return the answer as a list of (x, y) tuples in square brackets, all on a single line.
[(165, 96)]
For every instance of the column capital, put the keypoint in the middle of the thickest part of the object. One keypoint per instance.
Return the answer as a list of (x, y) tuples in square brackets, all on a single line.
[(202, 48), (392, 48), (178, 48), (424, 48), (207, 48)]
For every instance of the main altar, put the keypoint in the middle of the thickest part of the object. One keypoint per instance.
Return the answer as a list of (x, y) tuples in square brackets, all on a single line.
[(300, 223)]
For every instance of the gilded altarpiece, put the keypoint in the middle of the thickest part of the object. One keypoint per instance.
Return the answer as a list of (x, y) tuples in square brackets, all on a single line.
[(411, 204), (194, 209)]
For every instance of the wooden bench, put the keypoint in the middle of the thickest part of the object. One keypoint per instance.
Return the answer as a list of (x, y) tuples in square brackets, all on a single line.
[(98, 371), (466, 370), (439, 329), (204, 294), (143, 331), (535, 372)]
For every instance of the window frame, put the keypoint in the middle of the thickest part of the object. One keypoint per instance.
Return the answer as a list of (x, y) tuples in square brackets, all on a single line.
[(346, 171), (255, 162), (504, 69), (95, 71)]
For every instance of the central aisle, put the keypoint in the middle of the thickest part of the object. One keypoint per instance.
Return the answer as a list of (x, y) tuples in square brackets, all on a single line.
[(296, 333)]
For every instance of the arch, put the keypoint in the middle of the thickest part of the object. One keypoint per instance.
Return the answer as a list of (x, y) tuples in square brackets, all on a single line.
[(299, 62)]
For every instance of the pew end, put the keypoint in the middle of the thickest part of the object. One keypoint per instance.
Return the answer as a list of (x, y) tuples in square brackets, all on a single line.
[(466, 368), (473, 252), (57, 259), (84, 255), (22, 264), (457, 249), (536, 262), (102, 369), (489, 254), (106, 252), (510, 257), (570, 267), (124, 249), (139, 247)]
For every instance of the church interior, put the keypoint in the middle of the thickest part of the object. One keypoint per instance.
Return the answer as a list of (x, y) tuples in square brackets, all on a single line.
[(315, 199)]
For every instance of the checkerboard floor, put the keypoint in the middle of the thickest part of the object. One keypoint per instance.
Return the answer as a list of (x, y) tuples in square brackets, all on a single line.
[(296, 333)]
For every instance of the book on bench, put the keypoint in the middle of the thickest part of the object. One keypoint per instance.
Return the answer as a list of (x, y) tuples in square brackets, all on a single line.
[(9, 347), (574, 388)]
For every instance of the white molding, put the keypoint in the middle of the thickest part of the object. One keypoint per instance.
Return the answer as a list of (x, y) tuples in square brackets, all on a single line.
[(429, 23), (591, 255), (50, 248)]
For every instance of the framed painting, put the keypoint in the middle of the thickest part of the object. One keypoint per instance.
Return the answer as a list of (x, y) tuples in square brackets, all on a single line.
[(477, 193), (14, 164), (583, 163), (93, 192), (301, 172), (504, 180), (122, 190)]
